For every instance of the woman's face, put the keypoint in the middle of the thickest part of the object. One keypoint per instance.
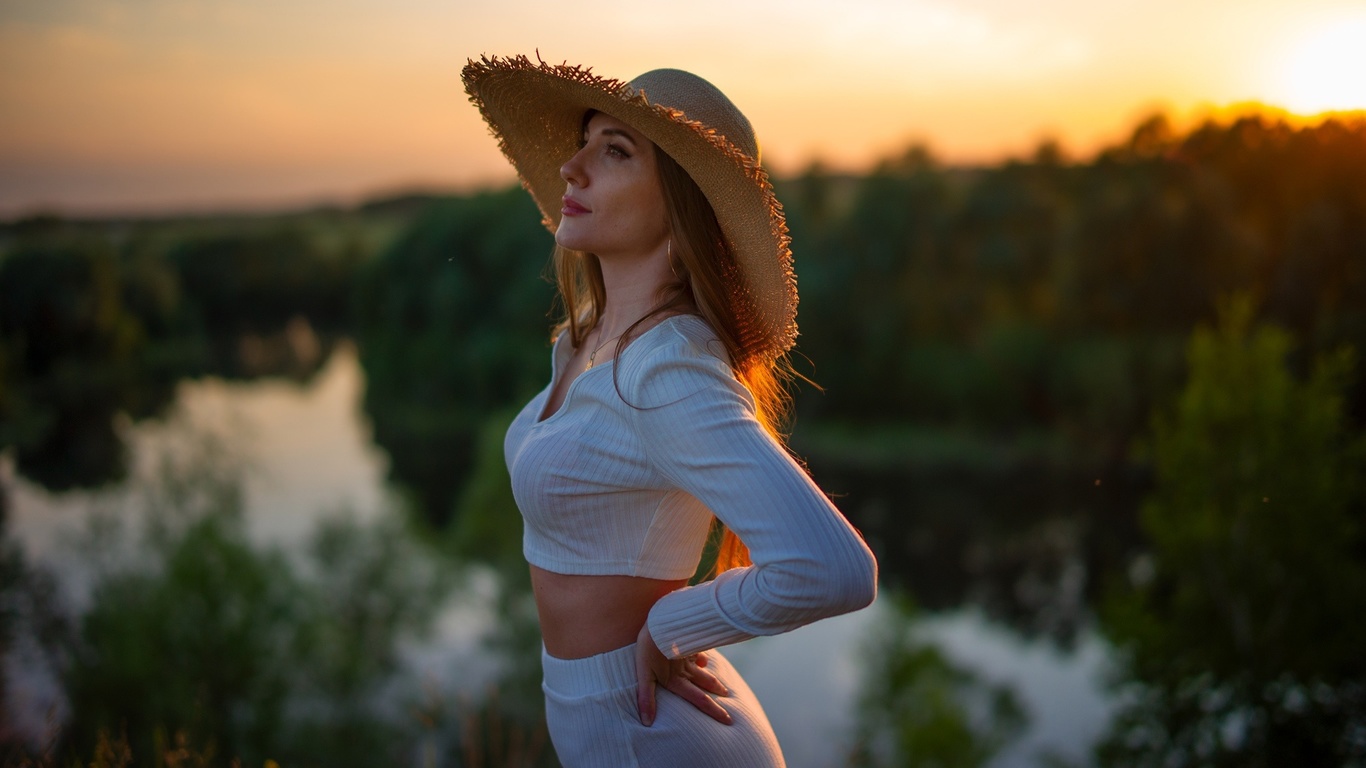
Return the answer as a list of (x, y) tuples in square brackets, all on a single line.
[(613, 201)]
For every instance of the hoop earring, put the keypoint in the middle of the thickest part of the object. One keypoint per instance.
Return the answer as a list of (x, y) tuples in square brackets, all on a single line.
[(670, 255)]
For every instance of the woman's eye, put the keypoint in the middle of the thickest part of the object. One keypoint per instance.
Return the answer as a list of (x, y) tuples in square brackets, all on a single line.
[(616, 151)]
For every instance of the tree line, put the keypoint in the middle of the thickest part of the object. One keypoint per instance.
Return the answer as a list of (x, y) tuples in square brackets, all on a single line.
[(1037, 296)]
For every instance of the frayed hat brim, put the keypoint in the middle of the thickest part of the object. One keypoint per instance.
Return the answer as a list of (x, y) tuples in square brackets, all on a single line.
[(535, 111)]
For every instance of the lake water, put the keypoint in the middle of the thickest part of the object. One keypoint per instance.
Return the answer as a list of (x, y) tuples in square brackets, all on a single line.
[(310, 454)]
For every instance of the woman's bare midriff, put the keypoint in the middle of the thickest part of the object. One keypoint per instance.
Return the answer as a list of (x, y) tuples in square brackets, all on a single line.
[(583, 616)]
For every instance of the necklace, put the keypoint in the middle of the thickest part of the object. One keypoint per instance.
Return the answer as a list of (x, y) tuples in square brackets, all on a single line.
[(592, 356)]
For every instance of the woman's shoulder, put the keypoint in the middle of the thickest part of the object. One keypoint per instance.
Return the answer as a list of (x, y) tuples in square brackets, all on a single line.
[(692, 333), (674, 359), (676, 336)]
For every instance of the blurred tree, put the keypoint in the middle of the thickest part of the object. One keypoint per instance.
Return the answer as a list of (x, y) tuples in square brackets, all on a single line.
[(195, 631), (368, 587), (486, 525), (487, 529), (916, 293), (197, 637), (68, 346), (253, 280), (453, 325), (860, 282), (1243, 645), (1152, 137), (151, 291), (1050, 153), (95, 323), (1030, 296)]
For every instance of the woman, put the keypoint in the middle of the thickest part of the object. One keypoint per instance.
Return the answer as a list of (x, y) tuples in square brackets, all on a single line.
[(673, 267)]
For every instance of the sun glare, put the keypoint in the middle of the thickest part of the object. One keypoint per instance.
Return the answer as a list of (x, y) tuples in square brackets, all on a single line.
[(1326, 71)]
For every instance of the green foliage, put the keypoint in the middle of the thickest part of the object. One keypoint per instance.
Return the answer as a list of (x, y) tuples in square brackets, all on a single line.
[(369, 587), (452, 322), (955, 297), (67, 347), (101, 320), (916, 708), (1245, 643), (198, 636), (487, 529), (259, 280), (487, 526), (193, 630)]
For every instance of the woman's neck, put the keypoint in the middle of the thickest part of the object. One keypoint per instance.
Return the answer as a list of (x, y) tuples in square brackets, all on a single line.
[(632, 287)]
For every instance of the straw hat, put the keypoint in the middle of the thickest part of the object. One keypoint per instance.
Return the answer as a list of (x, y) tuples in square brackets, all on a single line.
[(535, 111)]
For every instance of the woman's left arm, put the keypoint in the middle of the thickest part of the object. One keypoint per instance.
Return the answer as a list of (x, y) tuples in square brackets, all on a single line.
[(808, 562)]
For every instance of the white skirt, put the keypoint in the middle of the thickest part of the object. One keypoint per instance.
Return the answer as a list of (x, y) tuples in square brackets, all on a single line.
[(590, 707)]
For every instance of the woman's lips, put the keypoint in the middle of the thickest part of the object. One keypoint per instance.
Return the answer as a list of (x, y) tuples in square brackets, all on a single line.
[(572, 207)]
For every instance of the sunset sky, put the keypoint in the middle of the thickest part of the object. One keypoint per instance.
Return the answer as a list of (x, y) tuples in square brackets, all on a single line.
[(170, 105)]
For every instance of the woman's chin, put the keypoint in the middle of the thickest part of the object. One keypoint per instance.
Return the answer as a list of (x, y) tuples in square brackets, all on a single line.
[(565, 238)]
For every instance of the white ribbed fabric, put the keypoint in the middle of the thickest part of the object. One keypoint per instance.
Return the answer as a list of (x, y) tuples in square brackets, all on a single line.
[(623, 478), (590, 710)]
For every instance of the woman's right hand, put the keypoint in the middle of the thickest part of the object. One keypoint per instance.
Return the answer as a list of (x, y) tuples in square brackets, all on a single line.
[(686, 678)]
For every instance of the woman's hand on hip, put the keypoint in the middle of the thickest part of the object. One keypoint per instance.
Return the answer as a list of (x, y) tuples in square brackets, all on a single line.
[(685, 677)]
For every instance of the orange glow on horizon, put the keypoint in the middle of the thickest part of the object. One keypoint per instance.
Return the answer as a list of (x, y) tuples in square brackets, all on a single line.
[(114, 105)]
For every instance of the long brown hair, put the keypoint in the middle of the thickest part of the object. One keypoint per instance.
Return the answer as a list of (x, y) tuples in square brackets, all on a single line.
[(706, 282)]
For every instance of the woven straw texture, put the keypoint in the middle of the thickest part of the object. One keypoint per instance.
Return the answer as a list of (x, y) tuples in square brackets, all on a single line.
[(535, 111)]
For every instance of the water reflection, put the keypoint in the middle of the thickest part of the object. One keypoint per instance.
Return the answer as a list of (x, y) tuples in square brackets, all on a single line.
[(302, 446), (918, 708), (339, 651), (238, 647)]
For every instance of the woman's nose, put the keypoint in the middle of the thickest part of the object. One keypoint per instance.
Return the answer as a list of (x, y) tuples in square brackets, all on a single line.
[(573, 171)]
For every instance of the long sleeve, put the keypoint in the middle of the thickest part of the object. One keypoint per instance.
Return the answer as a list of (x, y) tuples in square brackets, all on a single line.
[(699, 430)]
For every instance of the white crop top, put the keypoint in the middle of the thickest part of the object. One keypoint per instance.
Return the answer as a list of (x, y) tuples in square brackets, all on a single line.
[(606, 488)]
